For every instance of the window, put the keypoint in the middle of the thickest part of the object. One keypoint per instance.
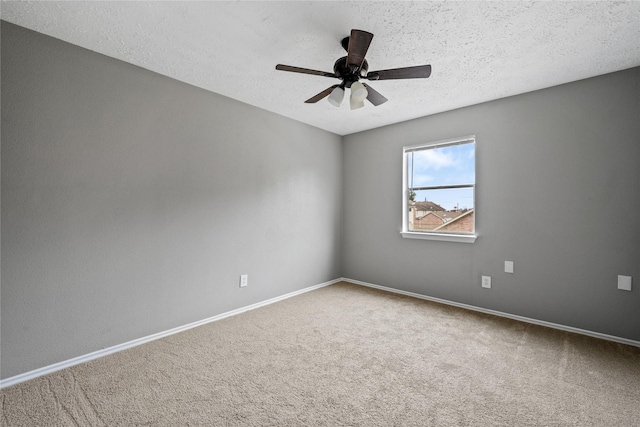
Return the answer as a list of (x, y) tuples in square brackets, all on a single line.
[(439, 182)]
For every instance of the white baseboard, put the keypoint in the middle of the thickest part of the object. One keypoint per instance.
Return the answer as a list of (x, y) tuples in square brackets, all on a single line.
[(501, 314), (116, 348)]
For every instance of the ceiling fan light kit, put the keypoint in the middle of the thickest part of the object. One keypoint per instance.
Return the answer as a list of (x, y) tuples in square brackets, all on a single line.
[(358, 91), (356, 104), (353, 67), (336, 97)]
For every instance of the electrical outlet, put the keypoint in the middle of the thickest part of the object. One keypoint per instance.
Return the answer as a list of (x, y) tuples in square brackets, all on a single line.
[(508, 266), (244, 280), (624, 283), (486, 281)]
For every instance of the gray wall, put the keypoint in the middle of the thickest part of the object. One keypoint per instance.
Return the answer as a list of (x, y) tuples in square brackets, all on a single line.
[(131, 202), (558, 193)]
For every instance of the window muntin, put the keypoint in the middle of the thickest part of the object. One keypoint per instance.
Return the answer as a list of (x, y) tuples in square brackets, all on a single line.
[(439, 190)]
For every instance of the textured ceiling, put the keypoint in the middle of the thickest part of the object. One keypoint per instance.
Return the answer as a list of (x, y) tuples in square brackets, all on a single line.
[(479, 51)]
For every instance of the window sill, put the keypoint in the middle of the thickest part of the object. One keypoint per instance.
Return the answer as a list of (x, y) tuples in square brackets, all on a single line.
[(460, 238)]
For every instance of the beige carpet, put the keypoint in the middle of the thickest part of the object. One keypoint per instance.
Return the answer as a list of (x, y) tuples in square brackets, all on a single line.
[(345, 355)]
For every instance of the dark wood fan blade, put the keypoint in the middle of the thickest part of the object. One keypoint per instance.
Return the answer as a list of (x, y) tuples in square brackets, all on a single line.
[(321, 95), (304, 71), (359, 42), (374, 96), (417, 72)]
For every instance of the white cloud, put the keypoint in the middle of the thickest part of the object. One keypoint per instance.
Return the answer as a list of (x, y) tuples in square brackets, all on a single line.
[(433, 159), (422, 179)]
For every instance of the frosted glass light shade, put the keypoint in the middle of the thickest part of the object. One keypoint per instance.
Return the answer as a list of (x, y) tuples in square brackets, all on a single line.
[(358, 92), (356, 104), (336, 97)]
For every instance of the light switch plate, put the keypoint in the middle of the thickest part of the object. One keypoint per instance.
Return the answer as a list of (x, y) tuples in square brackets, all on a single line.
[(508, 266), (624, 283), (486, 281)]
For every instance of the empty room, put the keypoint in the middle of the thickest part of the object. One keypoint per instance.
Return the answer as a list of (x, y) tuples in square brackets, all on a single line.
[(320, 213)]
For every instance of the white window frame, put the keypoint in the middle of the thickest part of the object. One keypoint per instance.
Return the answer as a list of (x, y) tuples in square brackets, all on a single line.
[(431, 235)]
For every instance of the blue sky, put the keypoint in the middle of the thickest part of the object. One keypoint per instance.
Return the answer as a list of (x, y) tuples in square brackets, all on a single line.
[(454, 164)]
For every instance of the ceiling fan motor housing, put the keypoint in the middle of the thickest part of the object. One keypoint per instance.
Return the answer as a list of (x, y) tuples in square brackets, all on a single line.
[(349, 73)]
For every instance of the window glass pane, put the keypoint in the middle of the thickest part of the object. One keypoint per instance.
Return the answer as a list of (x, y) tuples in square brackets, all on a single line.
[(439, 184), (450, 210), (448, 199), (449, 165)]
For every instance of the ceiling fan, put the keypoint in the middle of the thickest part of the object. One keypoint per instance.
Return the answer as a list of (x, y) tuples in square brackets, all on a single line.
[(353, 67)]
